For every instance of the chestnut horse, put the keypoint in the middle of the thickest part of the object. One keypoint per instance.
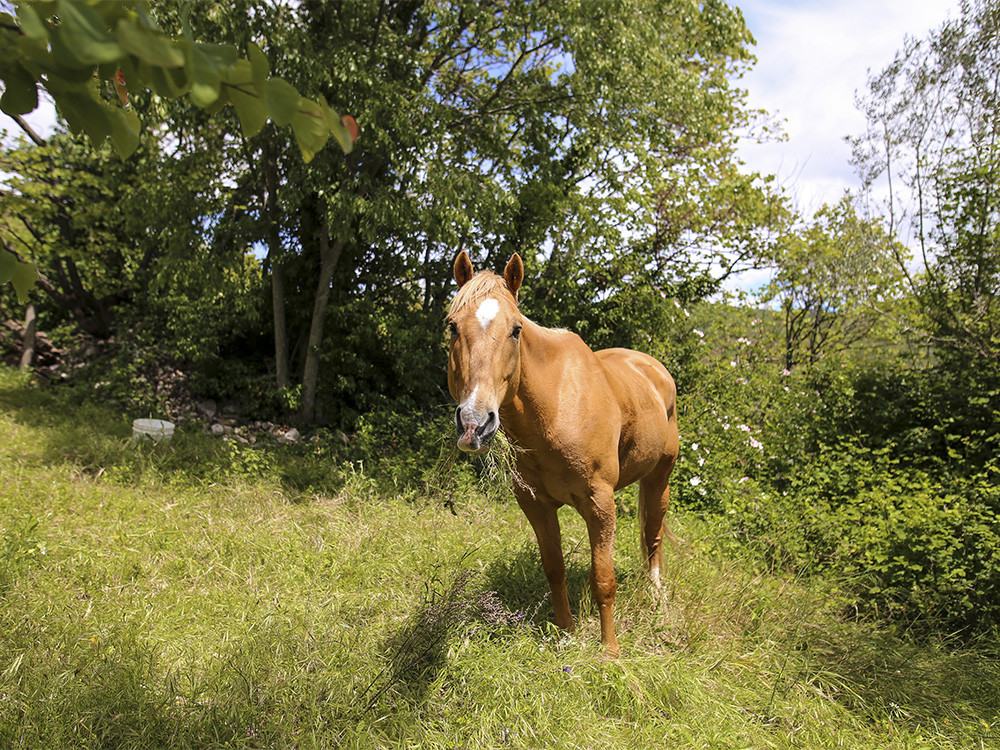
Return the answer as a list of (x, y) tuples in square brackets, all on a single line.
[(586, 424)]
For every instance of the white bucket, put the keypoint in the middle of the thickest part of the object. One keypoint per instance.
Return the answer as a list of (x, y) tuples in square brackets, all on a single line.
[(157, 430)]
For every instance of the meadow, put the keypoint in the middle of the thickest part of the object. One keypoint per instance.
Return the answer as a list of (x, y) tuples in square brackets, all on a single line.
[(202, 595)]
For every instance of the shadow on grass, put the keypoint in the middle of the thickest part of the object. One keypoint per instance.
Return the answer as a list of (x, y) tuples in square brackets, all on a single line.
[(520, 582), (452, 607), (66, 427)]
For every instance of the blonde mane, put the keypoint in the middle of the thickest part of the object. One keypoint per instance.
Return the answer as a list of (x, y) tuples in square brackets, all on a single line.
[(483, 285)]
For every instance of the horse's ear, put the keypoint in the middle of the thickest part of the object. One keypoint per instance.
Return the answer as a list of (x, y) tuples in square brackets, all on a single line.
[(463, 269), (513, 274)]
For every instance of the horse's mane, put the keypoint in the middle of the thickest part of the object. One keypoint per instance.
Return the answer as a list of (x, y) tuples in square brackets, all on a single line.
[(481, 286)]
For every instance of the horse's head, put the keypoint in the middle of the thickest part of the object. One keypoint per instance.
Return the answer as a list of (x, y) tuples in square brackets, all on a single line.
[(484, 359)]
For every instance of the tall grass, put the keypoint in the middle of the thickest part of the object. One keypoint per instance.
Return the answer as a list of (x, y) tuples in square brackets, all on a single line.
[(189, 596)]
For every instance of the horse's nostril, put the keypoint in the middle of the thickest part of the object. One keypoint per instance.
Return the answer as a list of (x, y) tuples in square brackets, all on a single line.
[(458, 419), (489, 426)]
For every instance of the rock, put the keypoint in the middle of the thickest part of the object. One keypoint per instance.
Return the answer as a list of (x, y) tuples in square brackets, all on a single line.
[(217, 429), (207, 408), (292, 435)]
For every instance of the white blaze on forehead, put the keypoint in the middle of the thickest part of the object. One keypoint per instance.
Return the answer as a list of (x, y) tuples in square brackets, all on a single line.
[(487, 311)]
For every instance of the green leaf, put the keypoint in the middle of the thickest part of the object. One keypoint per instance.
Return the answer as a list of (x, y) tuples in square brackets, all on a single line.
[(335, 124), (22, 275), (124, 131), (209, 65), (240, 75), (251, 111), (224, 55), (168, 82), (86, 114), (219, 104), (64, 58), (260, 66), (281, 100), (20, 94), (206, 78), (31, 23), (83, 32), (149, 46), (250, 106), (310, 128)]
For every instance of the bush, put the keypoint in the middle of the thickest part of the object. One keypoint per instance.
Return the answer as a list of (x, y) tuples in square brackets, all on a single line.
[(911, 547)]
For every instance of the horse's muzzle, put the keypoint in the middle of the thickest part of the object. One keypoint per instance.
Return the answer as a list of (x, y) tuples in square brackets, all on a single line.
[(474, 436)]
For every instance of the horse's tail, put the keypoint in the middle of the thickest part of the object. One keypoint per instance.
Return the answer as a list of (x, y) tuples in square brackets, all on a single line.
[(642, 527)]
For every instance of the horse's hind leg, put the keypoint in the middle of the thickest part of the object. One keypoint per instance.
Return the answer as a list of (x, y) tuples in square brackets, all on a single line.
[(654, 497)]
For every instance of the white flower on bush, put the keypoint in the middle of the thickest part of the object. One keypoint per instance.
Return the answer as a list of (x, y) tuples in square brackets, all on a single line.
[(695, 481), (700, 334)]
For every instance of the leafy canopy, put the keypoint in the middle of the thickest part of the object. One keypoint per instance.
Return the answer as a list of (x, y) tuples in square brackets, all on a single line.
[(89, 55)]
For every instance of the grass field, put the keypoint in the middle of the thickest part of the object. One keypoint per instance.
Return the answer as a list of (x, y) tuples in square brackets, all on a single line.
[(192, 597)]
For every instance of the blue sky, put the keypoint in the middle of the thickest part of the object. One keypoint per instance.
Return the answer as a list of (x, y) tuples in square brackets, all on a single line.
[(812, 56)]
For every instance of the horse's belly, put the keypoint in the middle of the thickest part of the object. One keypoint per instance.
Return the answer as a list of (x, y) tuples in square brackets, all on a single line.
[(643, 447)]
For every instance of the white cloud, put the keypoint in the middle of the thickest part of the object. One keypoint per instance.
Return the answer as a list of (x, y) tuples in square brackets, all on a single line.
[(812, 56), (811, 59)]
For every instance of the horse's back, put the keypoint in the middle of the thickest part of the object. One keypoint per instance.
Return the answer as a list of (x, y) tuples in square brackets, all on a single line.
[(631, 372)]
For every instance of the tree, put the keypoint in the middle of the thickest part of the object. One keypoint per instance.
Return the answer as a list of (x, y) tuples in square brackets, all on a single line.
[(561, 131), (597, 144), (933, 146), (833, 281)]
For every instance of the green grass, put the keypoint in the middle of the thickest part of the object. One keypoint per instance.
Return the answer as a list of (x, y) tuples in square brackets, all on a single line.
[(194, 597)]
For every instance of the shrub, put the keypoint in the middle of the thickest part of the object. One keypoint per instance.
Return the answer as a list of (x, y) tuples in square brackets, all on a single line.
[(912, 547)]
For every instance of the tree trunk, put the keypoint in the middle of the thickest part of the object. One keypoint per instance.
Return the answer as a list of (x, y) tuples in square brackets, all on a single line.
[(28, 347), (281, 371), (310, 376), (281, 374)]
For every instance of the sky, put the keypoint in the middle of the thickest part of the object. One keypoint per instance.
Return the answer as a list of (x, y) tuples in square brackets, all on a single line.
[(812, 56)]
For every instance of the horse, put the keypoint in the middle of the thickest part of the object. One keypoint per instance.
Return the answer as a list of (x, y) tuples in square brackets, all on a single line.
[(584, 424)]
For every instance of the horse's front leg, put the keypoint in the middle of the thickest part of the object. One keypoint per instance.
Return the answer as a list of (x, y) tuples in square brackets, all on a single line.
[(601, 518), (544, 519)]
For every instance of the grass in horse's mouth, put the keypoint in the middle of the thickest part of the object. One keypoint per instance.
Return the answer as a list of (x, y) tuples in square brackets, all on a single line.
[(501, 463)]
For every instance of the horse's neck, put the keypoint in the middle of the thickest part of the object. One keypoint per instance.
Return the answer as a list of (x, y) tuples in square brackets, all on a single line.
[(527, 415)]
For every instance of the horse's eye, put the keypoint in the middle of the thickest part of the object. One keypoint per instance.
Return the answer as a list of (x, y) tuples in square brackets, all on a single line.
[(516, 334), (452, 328)]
